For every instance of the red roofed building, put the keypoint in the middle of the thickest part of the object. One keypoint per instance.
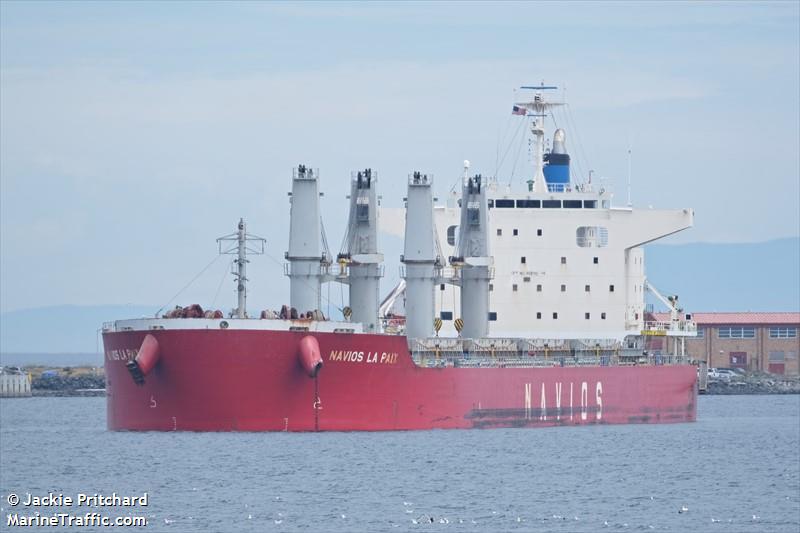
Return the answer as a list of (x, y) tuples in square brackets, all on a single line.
[(766, 342)]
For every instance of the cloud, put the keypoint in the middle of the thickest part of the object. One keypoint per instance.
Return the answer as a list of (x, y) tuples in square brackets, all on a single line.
[(79, 121), (131, 142)]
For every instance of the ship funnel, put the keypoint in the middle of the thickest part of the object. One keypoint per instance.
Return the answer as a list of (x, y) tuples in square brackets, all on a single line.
[(474, 259), (360, 250), (559, 140), (556, 164), (419, 257), (305, 256)]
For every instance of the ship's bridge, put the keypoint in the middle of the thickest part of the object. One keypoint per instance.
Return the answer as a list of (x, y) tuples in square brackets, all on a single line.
[(574, 201)]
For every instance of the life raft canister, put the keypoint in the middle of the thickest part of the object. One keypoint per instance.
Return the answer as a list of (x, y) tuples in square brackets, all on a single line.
[(146, 359), (309, 355)]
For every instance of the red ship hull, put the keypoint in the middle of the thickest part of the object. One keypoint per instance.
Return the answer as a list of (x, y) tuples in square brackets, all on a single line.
[(252, 380)]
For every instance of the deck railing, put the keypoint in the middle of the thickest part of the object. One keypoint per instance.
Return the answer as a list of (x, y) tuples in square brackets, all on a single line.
[(434, 359), (501, 353), (655, 327)]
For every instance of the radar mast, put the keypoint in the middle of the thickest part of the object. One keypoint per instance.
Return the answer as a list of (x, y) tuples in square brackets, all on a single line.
[(538, 109), (237, 244)]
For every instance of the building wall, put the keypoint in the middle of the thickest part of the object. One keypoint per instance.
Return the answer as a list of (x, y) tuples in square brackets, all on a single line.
[(12, 385), (757, 350)]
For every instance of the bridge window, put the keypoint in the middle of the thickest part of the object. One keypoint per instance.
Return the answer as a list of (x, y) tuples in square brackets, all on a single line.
[(551, 204), (590, 204), (503, 203), (492, 316), (573, 204), (529, 204), (446, 315), (516, 232)]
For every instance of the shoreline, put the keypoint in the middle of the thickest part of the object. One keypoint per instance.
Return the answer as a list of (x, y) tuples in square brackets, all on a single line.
[(754, 383)]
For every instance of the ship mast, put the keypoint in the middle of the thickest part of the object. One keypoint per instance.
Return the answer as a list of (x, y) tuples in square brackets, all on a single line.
[(537, 109), (240, 249)]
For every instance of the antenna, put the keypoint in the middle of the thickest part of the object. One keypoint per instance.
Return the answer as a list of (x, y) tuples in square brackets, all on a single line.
[(629, 173), (538, 108), (236, 244)]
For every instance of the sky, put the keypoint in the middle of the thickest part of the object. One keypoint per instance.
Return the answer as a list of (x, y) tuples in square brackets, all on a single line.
[(134, 134)]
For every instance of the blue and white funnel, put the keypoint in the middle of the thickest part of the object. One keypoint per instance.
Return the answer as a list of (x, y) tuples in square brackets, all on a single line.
[(556, 163)]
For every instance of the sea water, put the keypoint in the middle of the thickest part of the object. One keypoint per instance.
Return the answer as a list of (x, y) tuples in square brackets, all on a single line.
[(737, 469)]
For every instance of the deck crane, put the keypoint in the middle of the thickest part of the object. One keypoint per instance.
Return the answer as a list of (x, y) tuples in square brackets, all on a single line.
[(671, 302)]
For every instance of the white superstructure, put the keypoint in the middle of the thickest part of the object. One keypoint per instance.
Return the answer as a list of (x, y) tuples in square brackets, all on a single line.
[(561, 272), (566, 263)]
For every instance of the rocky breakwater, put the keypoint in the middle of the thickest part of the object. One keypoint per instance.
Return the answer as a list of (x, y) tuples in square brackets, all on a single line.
[(755, 383), (67, 381)]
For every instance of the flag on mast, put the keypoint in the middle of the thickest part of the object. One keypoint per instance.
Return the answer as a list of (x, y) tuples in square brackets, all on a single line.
[(516, 110)]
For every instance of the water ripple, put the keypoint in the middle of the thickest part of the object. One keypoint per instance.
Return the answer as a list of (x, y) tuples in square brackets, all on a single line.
[(683, 477)]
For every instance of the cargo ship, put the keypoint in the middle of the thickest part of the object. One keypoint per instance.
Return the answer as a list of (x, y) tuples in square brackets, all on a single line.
[(516, 308)]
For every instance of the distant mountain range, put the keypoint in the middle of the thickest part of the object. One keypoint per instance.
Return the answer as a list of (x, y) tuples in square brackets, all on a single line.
[(762, 276), (708, 277)]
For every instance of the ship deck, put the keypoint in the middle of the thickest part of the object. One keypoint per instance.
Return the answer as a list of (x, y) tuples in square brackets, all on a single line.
[(147, 324), (441, 352)]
